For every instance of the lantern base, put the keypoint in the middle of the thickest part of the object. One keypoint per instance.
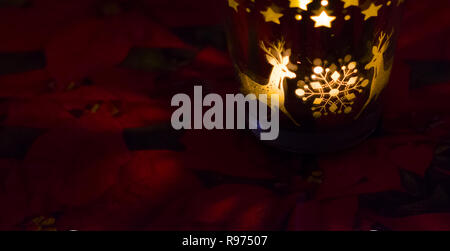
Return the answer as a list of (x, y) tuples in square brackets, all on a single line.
[(332, 141)]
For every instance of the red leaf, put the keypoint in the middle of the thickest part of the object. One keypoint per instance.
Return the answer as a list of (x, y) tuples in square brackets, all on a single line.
[(213, 58), (151, 180), (6, 166), (365, 169), (149, 34), (340, 214), (24, 84), (28, 29), (73, 167), (80, 94), (86, 47), (136, 115), (38, 113), (228, 207), (431, 99), (425, 222)]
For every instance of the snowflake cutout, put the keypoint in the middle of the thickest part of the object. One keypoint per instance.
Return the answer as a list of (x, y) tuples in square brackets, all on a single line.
[(330, 89)]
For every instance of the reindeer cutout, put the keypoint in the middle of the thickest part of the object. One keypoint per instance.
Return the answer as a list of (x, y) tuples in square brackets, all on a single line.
[(380, 76), (275, 56), (280, 72)]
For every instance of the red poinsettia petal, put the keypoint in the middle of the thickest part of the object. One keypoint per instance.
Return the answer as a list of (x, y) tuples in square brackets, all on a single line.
[(228, 207), (126, 84), (73, 167), (135, 115), (149, 34), (180, 13), (306, 216), (151, 180), (397, 89), (414, 158), (328, 215), (226, 152), (423, 33), (365, 169), (38, 113), (24, 85), (86, 47), (339, 214)]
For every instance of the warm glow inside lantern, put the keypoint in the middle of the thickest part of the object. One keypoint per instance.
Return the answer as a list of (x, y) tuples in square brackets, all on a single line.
[(327, 60)]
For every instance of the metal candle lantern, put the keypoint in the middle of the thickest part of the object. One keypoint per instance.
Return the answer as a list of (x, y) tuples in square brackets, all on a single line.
[(328, 61)]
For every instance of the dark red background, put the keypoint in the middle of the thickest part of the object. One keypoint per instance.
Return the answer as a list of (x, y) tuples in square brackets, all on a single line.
[(86, 144)]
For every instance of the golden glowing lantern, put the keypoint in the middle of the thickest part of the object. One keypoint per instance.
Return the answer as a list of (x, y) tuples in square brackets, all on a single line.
[(328, 60)]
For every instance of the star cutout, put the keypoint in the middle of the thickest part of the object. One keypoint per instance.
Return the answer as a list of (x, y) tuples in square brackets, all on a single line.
[(323, 20), (271, 16), (372, 11), (349, 3), (302, 4), (233, 4)]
